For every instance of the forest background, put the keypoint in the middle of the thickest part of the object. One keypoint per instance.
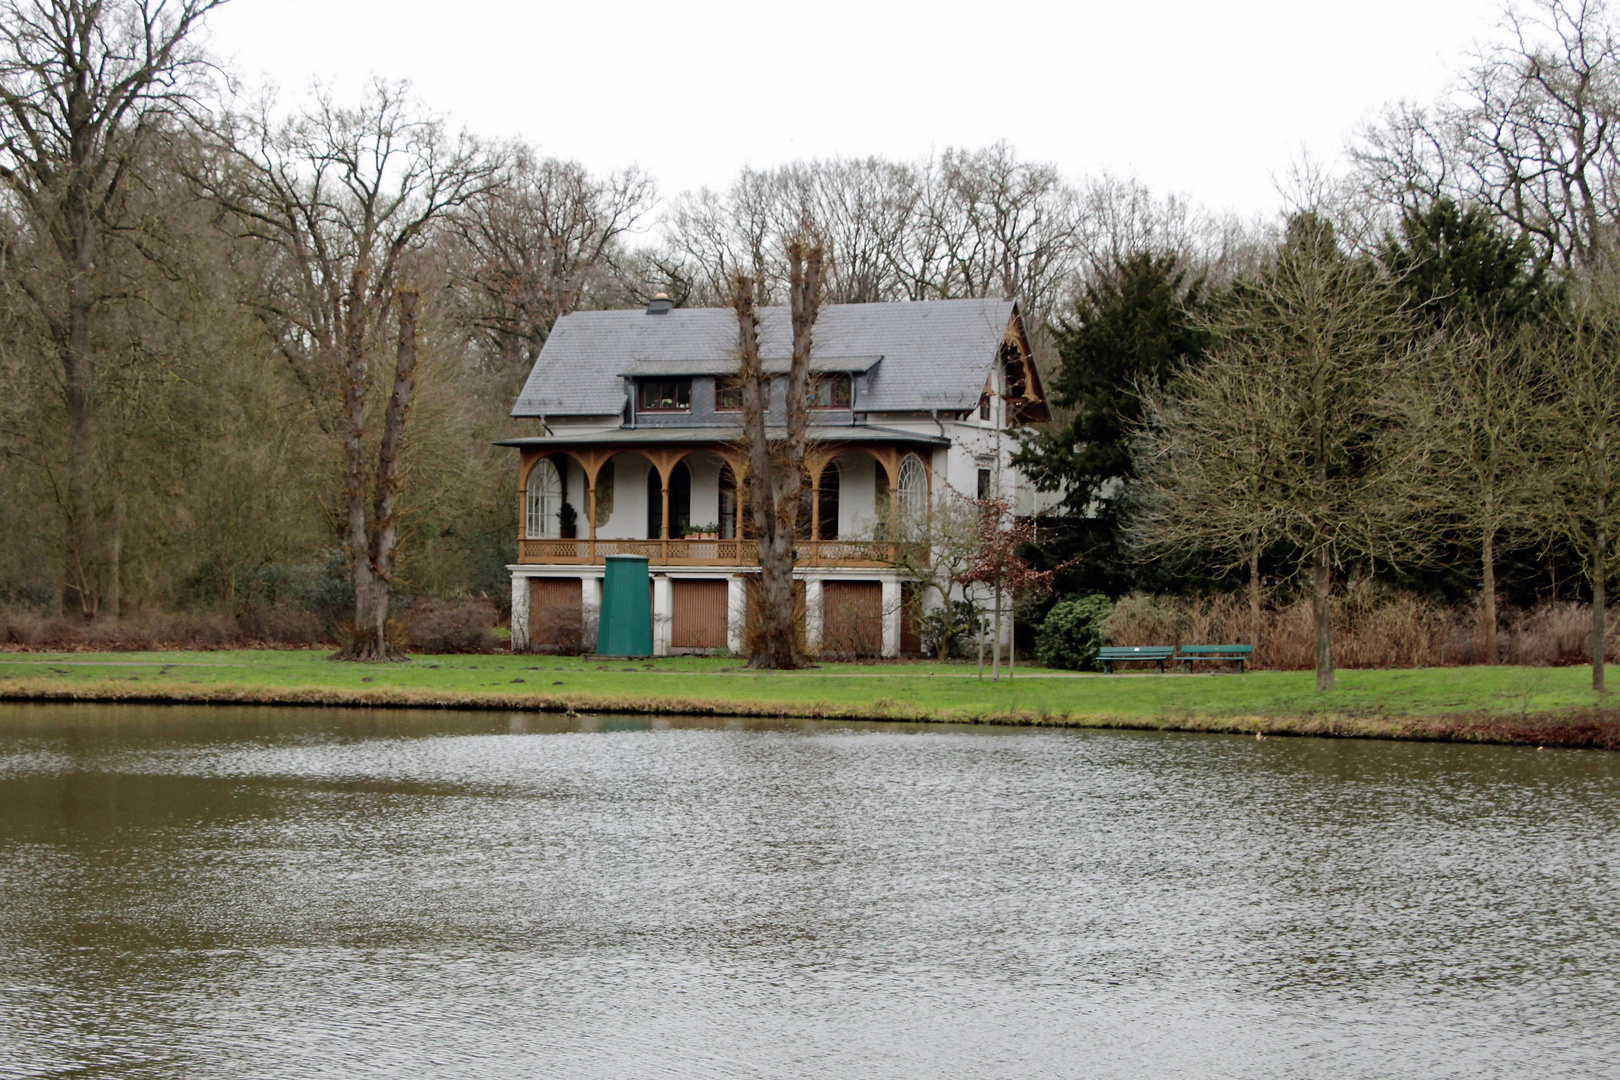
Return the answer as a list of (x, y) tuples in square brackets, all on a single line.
[(201, 287)]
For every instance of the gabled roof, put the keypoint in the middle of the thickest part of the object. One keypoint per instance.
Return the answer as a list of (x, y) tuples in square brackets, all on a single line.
[(934, 354)]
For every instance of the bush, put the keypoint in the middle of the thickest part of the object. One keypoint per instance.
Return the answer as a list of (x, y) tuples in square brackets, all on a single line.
[(451, 626), (953, 630), (1074, 630)]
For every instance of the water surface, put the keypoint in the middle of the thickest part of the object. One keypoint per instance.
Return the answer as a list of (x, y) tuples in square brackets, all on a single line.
[(322, 893)]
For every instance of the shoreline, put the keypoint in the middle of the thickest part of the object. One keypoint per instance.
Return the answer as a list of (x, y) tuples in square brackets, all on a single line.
[(1595, 729)]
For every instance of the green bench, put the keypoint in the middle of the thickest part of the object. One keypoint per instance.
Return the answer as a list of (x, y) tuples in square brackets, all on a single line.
[(1237, 654), (1117, 654)]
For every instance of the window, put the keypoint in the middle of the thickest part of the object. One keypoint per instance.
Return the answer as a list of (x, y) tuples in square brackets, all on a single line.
[(984, 407), (666, 395), (830, 392), (912, 494), (728, 503), (680, 502), (543, 501), (984, 484), (604, 493), (827, 495), (727, 393)]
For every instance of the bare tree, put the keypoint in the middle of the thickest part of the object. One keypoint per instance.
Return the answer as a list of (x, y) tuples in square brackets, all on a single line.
[(1581, 425), (83, 85), (968, 223), (1532, 131), (1290, 433), (339, 200), (1476, 403), (541, 244), (776, 466)]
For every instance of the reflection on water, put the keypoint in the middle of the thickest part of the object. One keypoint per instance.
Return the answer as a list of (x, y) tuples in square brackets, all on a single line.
[(256, 893)]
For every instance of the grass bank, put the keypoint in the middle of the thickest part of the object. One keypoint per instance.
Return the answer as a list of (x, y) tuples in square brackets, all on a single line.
[(1540, 706)]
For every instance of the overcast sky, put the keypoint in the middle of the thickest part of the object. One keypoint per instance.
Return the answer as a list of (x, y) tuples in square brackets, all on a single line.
[(1206, 99)]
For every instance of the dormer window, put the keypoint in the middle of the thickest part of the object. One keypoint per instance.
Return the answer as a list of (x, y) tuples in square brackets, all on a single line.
[(831, 392), (727, 393), (665, 395)]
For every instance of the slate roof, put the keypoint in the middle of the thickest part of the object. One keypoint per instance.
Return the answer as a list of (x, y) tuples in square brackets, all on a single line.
[(935, 354)]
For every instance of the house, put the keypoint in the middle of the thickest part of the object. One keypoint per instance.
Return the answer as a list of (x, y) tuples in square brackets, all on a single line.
[(637, 450)]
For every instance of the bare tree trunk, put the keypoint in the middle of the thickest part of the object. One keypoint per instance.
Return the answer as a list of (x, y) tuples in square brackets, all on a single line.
[(1487, 615), (385, 513), (372, 543), (1012, 639), (776, 474), (1321, 615), (370, 601), (1254, 588), (995, 644), (756, 403), (979, 626), (79, 542), (115, 554), (1321, 564), (1600, 594)]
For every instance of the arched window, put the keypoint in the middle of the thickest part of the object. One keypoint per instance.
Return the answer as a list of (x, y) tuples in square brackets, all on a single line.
[(545, 496), (912, 492)]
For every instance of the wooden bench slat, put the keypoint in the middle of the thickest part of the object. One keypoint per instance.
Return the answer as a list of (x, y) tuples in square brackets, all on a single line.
[(1154, 654), (1237, 654)]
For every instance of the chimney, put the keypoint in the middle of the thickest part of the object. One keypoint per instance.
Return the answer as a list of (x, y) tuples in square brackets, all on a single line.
[(660, 304)]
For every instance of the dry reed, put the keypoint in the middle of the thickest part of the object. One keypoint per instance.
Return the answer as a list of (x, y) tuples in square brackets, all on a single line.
[(1372, 628)]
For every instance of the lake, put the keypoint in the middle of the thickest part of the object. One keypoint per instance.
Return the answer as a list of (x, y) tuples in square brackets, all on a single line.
[(271, 893)]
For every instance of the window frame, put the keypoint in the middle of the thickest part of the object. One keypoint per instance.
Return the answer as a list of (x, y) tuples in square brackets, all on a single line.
[(834, 380), (680, 386), (724, 384), (544, 493)]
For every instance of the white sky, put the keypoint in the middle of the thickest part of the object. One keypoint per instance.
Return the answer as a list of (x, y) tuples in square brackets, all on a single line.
[(1209, 100)]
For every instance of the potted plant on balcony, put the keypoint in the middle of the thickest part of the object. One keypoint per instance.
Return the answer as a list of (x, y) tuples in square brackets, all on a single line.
[(567, 521), (701, 532)]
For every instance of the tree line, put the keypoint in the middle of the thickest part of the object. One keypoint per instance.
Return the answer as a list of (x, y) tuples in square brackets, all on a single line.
[(254, 352)]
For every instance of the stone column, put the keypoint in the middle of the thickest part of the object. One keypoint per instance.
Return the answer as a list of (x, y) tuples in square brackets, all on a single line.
[(520, 612), (663, 614), (892, 614), (590, 608), (813, 611), (736, 612)]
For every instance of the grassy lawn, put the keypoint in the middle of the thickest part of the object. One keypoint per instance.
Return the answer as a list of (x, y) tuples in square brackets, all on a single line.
[(1482, 703)]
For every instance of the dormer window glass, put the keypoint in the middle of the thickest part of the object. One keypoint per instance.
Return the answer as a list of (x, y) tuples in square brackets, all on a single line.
[(665, 395), (831, 392), (727, 393)]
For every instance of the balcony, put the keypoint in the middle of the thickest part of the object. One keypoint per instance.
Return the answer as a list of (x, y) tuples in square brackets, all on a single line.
[(733, 553)]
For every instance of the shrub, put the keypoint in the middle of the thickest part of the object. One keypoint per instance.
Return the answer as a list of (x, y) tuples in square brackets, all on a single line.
[(1074, 630), (953, 630), (451, 626)]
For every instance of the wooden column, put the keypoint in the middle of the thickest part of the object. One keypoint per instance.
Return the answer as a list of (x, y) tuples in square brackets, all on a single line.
[(890, 460), (591, 461), (739, 477), (663, 524), (590, 503), (816, 461), (815, 515), (665, 461), (525, 463)]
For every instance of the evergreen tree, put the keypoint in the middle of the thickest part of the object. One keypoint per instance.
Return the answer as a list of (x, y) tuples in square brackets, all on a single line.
[(1454, 266), (1127, 331)]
